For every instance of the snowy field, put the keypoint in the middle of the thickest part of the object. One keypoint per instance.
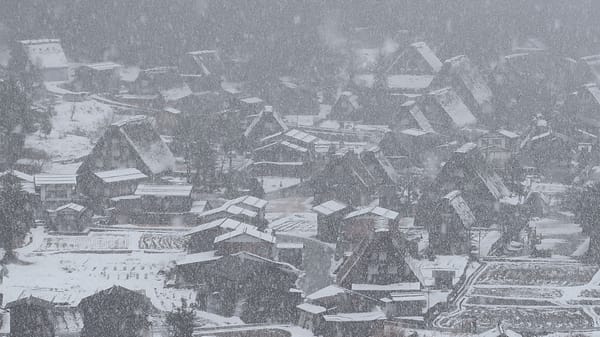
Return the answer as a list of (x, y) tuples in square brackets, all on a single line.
[(563, 239), (534, 295), (75, 128), (527, 294), (55, 269), (522, 319), (112, 241)]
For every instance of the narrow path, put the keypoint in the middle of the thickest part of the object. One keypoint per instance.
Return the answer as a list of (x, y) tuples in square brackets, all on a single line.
[(460, 298), (589, 310)]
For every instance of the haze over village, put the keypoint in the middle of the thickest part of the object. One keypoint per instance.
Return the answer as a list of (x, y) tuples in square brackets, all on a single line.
[(376, 168)]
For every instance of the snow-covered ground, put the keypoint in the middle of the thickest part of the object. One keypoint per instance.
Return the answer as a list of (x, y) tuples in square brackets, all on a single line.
[(63, 274), (280, 207), (272, 184), (75, 128), (564, 239)]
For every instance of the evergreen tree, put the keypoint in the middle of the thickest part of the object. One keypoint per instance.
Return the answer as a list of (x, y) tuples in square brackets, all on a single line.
[(181, 320), (16, 216), (197, 135), (16, 117), (588, 215)]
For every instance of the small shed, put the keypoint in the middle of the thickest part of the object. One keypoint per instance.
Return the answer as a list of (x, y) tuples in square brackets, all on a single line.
[(112, 183), (246, 239), (329, 219), (71, 218), (55, 189), (201, 237), (167, 198), (100, 77)]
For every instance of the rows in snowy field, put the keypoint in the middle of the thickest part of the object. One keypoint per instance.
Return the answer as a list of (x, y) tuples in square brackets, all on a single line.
[(78, 243)]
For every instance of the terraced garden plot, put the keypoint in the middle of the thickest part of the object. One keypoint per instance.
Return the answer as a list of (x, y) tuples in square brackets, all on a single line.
[(542, 274), (483, 300), (521, 319), (524, 292), (89, 242), (161, 241), (590, 293)]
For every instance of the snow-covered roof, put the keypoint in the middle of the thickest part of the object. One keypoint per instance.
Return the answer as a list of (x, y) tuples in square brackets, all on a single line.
[(231, 210), (247, 200), (290, 245), (30, 300), (177, 93), (593, 63), (225, 223), (293, 146), (407, 286), (408, 297), (355, 317), (466, 148), (126, 197), (146, 141), (508, 134), (117, 175), (301, 136), (428, 55), (263, 117), (453, 106), (72, 206), (330, 207), (45, 53), (329, 291), (352, 99), (271, 138), (164, 190), (550, 188), (461, 208), (55, 179), (420, 118), (423, 50), (374, 210), (172, 111), (100, 66), (470, 158), (467, 73), (252, 100), (198, 258), (209, 61), (414, 132), (311, 308), (253, 232), (19, 175), (541, 136), (384, 168), (594, 90), (409, 82)]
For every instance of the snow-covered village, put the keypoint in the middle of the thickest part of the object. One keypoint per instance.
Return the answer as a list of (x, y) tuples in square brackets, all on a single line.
[(245, 168)]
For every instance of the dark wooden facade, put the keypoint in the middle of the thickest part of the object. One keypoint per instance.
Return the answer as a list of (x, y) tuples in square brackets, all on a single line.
[(116, 312)]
